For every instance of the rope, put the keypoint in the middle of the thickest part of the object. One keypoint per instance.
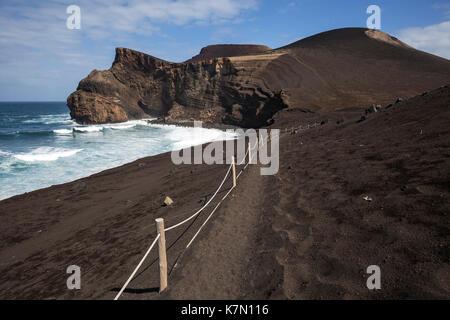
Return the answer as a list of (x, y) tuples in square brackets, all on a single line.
[(204, 223), (243, 159), (220, 186), (251, 156), (195, 214), (200, 210), (224, 197), (137, 267)]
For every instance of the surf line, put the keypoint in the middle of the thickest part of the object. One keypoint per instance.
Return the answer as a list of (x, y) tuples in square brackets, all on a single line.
[(214, 152)]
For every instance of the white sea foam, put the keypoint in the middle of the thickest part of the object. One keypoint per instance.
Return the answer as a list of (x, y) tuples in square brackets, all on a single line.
[(63, 121), (113, 126), (120, 126), (128, 125), (46, 154), (93, 128), (183, 137), (63, 131), (51, 119)]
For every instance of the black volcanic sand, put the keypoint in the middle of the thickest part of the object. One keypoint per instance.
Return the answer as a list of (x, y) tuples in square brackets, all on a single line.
[(305, 233)]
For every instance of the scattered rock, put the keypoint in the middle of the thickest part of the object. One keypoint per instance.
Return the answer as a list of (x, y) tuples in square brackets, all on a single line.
[(372, 109), (172, 171), (404, 188), (399, 100), (367, 198), (141, 164), (295, 131), (168, 201)]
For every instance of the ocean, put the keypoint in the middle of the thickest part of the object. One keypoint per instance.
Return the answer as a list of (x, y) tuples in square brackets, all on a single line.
[(40, 145)]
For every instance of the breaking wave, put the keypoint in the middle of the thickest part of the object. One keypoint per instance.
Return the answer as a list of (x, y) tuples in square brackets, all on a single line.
[(46, 154)]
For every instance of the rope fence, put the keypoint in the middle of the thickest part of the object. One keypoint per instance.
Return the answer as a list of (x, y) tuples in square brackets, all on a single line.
[(137, 267), (206, 204), (160, 238)]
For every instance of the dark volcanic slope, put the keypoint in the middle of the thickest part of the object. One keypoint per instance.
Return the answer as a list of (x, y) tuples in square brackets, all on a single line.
[(227, 50), (306, 232), (354, 67), (341, 68), (327, 234)]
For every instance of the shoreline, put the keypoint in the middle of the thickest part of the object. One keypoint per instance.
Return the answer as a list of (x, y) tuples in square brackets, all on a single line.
[(180, 124), (308, 232), (190, 124)]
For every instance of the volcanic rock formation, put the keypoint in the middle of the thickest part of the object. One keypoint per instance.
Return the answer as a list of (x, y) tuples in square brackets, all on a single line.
[(246, 85)]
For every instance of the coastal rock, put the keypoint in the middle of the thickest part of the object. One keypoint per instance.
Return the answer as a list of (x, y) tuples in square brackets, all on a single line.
[(139, 86), (246, 85), (89, 107)]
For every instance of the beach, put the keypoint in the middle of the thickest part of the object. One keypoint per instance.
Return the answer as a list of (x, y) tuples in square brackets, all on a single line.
[(307, 232)]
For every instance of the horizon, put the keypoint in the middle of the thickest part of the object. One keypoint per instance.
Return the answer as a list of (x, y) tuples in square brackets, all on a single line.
[(31, 101), (177, 30)]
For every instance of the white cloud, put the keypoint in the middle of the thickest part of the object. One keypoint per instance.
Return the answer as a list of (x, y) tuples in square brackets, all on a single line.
[(434, 39), (39, 55), (137, 16)]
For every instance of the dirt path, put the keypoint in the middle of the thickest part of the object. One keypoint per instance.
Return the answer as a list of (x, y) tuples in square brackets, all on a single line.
[(221, 253)]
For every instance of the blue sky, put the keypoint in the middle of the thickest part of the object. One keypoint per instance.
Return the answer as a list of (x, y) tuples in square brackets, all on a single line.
[(42, 60)]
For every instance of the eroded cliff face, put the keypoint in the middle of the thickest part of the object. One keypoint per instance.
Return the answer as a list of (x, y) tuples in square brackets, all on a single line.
[(228, 50), (246, 85), (219, 90)]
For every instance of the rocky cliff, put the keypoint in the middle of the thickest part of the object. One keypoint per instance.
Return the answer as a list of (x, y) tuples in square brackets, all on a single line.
[(246, 85), (213, 90), (228, 50)]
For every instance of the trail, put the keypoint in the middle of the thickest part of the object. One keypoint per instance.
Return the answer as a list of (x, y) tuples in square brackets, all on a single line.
[(221, 253)]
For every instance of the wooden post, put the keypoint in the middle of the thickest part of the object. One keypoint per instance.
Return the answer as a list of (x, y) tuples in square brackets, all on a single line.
[(234, 171), (249, 151), (162, 255)]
